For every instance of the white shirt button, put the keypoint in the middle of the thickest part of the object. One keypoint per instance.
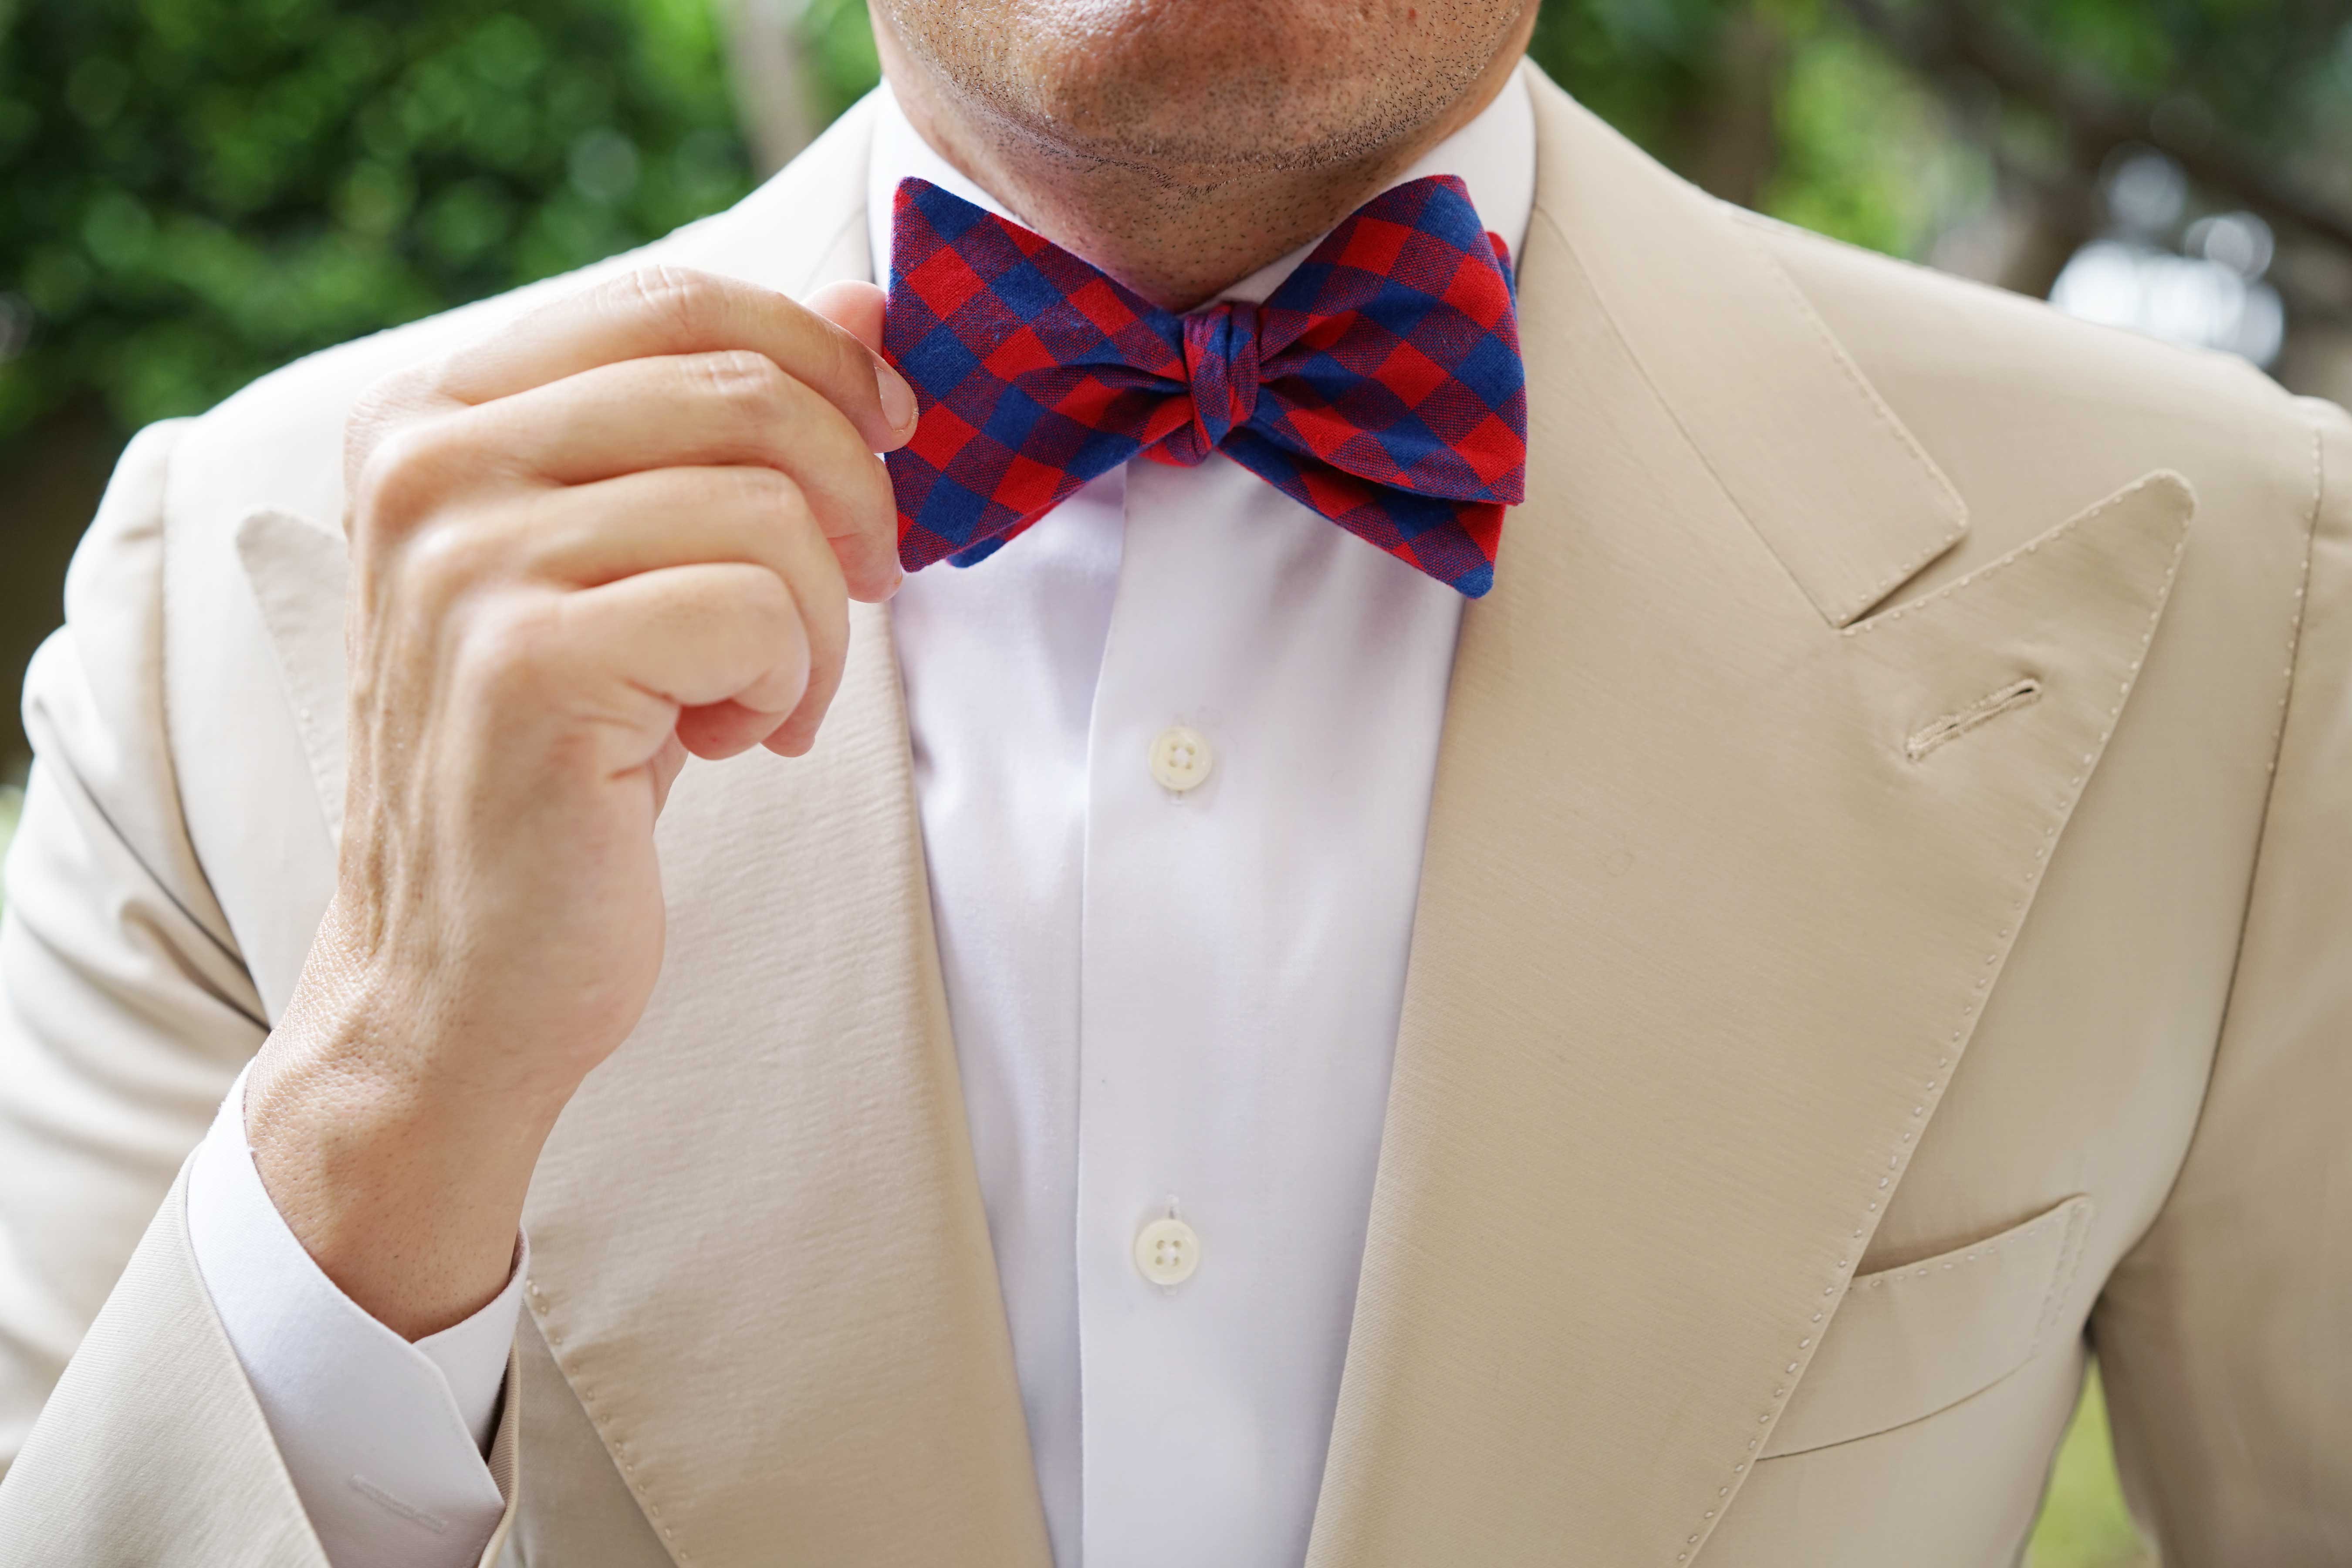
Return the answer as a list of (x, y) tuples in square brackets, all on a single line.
[(1167, 1252), (1180, 758)]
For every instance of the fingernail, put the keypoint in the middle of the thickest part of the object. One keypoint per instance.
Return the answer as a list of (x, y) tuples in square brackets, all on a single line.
[(897, 397)]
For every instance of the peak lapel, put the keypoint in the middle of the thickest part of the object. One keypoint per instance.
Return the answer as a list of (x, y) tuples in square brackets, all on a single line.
[(1826, 473), (1714, 892)]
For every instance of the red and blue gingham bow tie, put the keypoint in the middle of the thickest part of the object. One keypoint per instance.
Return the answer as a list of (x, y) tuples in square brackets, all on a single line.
[(1380, 385)]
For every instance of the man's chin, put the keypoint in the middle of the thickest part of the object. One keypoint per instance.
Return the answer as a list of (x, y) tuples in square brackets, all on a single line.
[(1198, 84)]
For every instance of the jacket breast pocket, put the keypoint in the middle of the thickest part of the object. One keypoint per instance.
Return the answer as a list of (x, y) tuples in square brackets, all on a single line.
[(1915, 1340)]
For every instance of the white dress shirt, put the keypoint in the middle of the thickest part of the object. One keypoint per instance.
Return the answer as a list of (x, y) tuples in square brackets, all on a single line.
[(1173, 749)]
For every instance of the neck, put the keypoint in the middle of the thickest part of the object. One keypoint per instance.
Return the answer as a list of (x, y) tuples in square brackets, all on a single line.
[(1176, 233)]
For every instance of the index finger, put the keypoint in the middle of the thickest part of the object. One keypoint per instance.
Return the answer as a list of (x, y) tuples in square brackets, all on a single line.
[(663, 310)]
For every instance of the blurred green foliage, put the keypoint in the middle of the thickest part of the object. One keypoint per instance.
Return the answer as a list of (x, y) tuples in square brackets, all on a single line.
[(199, 190), (1836, 137), (841, 59), (1888, 147)]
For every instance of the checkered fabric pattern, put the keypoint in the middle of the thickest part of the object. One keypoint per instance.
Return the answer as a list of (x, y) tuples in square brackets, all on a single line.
[(1380, 385)]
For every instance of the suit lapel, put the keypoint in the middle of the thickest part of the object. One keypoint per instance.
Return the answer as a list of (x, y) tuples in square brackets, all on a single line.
[(758, 1253), (1718, 876), (297, 571)]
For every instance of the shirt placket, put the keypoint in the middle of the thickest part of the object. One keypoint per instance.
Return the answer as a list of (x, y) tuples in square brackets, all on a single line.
[(1242, 955)]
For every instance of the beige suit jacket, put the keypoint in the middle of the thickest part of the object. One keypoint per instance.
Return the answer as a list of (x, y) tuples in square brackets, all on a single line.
[(1883, 929)]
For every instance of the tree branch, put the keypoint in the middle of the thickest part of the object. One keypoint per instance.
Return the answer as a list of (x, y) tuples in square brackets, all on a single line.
[(1954, 36), (770, 79)]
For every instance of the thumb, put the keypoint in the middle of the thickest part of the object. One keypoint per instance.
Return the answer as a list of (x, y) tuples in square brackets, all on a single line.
[(857, 310), (855, 307)]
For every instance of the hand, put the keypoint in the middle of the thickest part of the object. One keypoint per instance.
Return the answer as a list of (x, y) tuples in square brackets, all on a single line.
[(622, 530)]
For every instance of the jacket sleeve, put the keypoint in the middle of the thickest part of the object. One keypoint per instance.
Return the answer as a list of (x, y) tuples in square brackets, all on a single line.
[(125, 1011), (2225, 1336), (129, 1432), (152, 1449)]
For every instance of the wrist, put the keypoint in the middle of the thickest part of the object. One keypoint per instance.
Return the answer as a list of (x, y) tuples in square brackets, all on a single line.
[(404, 1188)]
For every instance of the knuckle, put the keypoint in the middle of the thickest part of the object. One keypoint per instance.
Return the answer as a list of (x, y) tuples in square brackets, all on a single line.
[(404, 475), (444, 559), (772, 620), (679, 298), (771, 601), (748, 383), (382, 401), (509, 649), (768, 493), (441, 380)]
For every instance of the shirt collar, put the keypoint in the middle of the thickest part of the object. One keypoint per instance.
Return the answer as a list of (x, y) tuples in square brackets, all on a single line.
[(1494, 154)]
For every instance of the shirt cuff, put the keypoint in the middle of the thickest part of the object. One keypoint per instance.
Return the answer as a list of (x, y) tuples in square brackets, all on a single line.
[(383, 1439)]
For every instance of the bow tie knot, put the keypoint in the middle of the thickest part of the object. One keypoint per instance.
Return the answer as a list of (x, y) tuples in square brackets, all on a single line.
[(1220, 365), (1380, 384)]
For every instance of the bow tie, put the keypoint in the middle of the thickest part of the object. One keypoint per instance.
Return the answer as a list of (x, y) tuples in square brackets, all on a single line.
[(1380, 385)]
